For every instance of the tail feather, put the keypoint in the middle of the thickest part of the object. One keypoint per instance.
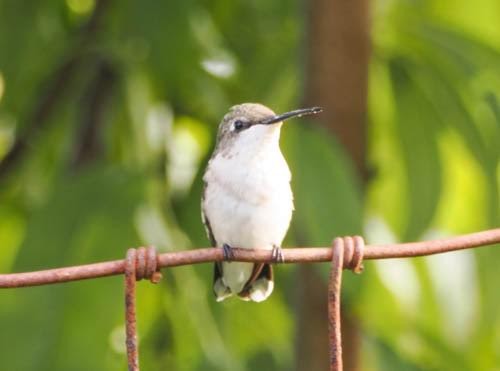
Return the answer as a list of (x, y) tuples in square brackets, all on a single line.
[(221, 291), (258, 288), (260, 285)]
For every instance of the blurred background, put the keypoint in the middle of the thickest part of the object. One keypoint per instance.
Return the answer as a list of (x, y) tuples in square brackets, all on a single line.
[(108, 113)]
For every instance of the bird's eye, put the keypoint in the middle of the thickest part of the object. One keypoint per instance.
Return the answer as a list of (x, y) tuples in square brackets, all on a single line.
[(239, 125)]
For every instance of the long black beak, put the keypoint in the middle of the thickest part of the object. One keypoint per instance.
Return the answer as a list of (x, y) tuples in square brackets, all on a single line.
[(286, 116)]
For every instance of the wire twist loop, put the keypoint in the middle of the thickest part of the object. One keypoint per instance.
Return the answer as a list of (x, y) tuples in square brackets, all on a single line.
[(146, 264), (139, 264), (353, 252)]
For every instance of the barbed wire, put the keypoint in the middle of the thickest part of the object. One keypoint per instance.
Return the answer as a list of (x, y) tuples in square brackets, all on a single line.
[(346, 253)]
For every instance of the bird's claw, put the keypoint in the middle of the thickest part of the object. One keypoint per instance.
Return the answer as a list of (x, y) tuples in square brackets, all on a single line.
[(228, 252), (277, 255)]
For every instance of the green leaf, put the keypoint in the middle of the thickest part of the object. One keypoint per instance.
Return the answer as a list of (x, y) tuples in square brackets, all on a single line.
[(326, 192), (418, 127)]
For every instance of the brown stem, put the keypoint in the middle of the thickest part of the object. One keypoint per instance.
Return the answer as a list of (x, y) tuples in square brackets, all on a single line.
[(94, 103), (338, 52)]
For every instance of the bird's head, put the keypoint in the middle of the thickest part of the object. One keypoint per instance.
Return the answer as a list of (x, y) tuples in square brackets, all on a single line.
[(250, 125)]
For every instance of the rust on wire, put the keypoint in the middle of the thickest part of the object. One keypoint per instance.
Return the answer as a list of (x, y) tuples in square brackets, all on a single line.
[(334, 334), (347, 253), (291, 255), (141, 263), (147, 264), (130, 318)]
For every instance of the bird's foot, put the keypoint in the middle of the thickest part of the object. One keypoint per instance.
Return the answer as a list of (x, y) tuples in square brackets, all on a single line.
[(277, 255), (228, 252)]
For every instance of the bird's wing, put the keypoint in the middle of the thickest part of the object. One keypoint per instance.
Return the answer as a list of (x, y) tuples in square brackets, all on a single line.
[(217, 265), (205, 220)]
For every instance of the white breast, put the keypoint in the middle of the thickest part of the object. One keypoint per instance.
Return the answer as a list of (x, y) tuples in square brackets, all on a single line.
[(248, 202)]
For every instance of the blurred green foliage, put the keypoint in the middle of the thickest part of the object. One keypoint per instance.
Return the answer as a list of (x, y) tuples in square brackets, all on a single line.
[(114, 107)]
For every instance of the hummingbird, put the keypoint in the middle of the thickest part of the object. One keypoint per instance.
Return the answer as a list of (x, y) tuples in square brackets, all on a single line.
[(247, 201)]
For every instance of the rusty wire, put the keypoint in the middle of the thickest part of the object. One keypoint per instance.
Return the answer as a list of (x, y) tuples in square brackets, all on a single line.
[(334, 285), (346, 253), (291, 255), (130, 316)]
